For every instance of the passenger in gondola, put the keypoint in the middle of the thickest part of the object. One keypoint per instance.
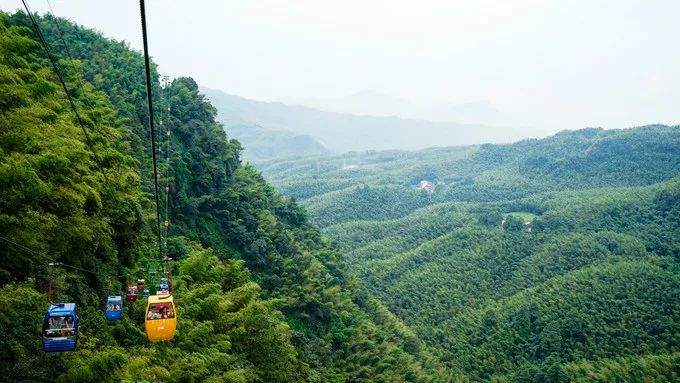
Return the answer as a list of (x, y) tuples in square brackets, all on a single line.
[(153, 314), (66, 326)]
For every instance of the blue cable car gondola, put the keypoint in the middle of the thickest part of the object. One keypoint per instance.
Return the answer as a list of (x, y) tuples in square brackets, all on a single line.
[(114, 307), (60, 328)]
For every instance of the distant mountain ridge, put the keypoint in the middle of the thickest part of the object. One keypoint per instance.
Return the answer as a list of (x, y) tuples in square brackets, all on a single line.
[(363, 103), (260, 144), (347, 132), (372, 103)]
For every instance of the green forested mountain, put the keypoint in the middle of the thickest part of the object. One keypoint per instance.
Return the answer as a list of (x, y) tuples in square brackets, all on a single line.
[(540, 261), (569, 160), (260, 294)]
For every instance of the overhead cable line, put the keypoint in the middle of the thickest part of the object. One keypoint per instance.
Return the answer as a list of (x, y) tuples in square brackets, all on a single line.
[(149, 99), (164, 123), (20, 246), (71, 102), (61, 33), (62, 264), (51, 264)]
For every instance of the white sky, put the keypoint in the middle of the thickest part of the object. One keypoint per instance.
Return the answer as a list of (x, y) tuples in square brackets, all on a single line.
[(555, 64)]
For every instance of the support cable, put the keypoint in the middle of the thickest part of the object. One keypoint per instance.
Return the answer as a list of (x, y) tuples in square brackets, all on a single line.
[(166, 125), (51, 264), (20, 246), (61, 33), (149, 99), (71, 102)]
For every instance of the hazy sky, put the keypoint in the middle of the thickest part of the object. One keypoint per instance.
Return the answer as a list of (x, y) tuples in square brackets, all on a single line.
[(554, 64)]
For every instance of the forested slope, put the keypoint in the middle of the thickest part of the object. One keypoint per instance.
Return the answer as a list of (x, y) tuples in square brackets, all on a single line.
[(544, 260), (260, 295), (569, 160)]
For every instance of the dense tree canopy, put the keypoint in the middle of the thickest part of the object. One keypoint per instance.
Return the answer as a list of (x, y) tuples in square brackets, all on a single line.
[(540, 261), (259, 292)]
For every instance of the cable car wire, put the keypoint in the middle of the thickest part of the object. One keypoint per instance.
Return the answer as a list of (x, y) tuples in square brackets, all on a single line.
[(88, 140), (149, 100), (20, 246), (164, 123), (62, 264), (61, 33), (51, 264), (55, 66)]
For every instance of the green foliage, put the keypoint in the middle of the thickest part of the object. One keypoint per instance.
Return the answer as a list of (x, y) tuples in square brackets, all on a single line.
[(260, 296), (653, 368), (56, 198), (21, 322), (366, 203), (570, 160), (540, 261), (94, 366)]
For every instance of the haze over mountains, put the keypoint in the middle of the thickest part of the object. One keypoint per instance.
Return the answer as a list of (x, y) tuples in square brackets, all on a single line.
[(301, 130), (373, 103)]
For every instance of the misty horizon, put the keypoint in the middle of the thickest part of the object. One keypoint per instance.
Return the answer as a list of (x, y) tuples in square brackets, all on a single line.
[(538, 67)]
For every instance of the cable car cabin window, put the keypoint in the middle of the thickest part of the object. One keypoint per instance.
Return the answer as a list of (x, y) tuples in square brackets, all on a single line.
[(112, 307), (160, 311), (60, 326), (131, 295)]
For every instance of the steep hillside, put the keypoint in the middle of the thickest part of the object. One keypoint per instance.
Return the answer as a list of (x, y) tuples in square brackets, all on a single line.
[(544, 260), (260, 297)]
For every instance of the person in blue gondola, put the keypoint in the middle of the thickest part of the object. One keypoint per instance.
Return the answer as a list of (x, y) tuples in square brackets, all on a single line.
[(66, 326), (53, 326)]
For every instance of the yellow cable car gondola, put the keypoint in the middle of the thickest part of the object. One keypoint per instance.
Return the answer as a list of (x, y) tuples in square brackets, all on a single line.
[(161, 318)]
